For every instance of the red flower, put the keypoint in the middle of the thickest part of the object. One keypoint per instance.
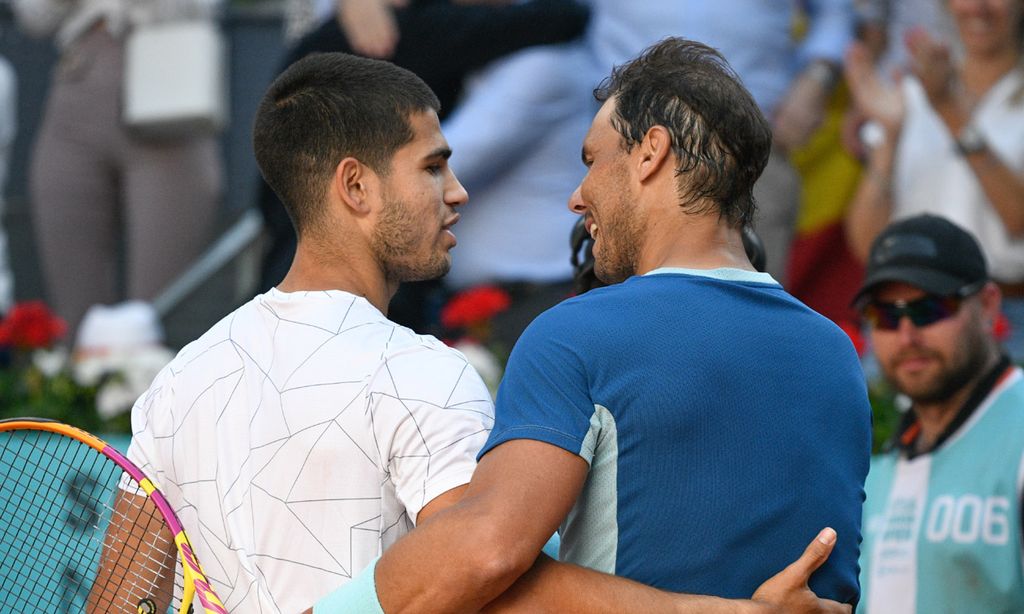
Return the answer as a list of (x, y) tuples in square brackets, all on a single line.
[(1002, 328), (853, 332), (474, 306), (31, 325)]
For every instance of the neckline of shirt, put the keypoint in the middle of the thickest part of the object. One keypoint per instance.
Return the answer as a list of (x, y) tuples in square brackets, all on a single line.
[(280, 295), (721, 274)]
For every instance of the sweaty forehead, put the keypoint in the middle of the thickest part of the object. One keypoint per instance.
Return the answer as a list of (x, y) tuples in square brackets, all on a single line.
[(601, 128), (603, 118)]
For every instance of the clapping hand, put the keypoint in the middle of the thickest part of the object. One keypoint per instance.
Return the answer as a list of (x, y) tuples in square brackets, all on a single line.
[(877, 100)]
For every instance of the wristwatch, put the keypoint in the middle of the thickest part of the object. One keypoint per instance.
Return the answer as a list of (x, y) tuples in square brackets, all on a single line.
[(824, 73), (970, 141)]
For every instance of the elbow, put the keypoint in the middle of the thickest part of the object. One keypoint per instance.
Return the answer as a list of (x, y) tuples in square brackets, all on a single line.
[(497, 559), (499, 562)]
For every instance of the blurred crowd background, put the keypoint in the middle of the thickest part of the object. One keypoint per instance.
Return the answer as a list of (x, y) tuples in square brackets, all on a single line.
[(138, 239)]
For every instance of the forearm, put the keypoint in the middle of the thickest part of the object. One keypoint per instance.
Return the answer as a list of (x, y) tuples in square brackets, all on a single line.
[(457, 562), (550, 586), (464, 557), (871, 207), (1002, 186), (137, 560)]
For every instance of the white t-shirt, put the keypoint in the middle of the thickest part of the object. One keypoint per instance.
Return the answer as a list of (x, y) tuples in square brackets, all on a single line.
[(301, 436), (931, 177)]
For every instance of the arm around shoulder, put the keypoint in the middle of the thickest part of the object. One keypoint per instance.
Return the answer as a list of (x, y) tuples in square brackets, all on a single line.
[(556, 587), (464, 557)]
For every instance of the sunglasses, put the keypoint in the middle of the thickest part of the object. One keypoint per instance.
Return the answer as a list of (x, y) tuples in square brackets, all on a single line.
[(924, 311)]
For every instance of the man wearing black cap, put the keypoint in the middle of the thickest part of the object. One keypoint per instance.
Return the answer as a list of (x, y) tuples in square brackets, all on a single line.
[(943, 512)]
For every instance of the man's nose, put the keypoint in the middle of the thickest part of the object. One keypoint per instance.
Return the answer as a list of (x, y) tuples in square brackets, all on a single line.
[(907, 330), (576, 204), (454, 193)]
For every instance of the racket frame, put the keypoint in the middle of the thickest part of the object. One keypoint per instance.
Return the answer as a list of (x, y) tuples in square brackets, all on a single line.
[(196, 584)]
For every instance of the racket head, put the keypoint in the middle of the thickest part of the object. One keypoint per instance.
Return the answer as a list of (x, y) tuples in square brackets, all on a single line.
[(66, 495)]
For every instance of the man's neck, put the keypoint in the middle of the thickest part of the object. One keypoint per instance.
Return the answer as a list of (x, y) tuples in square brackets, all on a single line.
[(314, 269), (693, 242), (934, 418)]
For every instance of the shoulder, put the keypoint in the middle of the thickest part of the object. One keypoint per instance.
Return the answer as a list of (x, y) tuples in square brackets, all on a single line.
[(576, 332), (210, 357), (422, 367), (569, 323), (597, 304)]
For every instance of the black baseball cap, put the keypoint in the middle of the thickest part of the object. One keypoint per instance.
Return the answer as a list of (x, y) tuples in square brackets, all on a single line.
[(925, 251)]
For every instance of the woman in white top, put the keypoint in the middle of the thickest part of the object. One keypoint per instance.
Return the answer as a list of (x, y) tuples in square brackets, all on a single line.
[(953, 141), (953, 134), (118, 215)]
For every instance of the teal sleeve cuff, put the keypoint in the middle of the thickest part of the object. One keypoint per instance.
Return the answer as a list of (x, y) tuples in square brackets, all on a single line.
[(358, 596)]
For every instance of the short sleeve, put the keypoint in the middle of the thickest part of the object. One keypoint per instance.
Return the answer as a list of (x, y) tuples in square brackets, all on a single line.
[(154, 404), (430, 413), (545, 394)]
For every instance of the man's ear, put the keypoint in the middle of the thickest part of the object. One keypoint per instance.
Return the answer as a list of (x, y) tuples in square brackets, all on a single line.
[(991, 302), (653, 152), (352, 184)]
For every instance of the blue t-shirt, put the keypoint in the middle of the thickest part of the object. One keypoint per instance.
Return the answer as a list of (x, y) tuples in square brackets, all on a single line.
[(725, 424)]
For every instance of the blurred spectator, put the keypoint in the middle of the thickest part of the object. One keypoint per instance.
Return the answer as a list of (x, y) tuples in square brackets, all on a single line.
[(441, 41), (370, 26), (103, 195), (951, 141), (8, 124), (883, 24), (516, 139), (823, 272), (943, 514), (302, 16)]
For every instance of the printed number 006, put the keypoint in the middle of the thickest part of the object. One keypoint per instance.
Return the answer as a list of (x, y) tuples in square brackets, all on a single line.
[(967, 518)]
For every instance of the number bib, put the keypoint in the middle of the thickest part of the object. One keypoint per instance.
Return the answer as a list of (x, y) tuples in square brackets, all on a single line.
[(942, 532)]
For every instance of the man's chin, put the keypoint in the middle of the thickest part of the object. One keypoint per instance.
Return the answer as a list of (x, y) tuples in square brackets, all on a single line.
[(920, 390), (437, 271), (611, 277)]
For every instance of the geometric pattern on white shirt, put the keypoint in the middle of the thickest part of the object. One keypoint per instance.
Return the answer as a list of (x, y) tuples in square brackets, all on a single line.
[(301, 436)]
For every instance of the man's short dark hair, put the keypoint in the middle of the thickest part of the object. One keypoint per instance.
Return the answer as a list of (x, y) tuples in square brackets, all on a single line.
[(719, 134), (324, 108)]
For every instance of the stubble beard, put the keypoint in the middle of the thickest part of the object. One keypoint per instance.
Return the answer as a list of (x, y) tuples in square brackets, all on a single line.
[(963, 367), (620, 235), (398, 242)]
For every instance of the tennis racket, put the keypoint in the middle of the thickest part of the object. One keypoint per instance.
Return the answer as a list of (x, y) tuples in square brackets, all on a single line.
[(82, 529)]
